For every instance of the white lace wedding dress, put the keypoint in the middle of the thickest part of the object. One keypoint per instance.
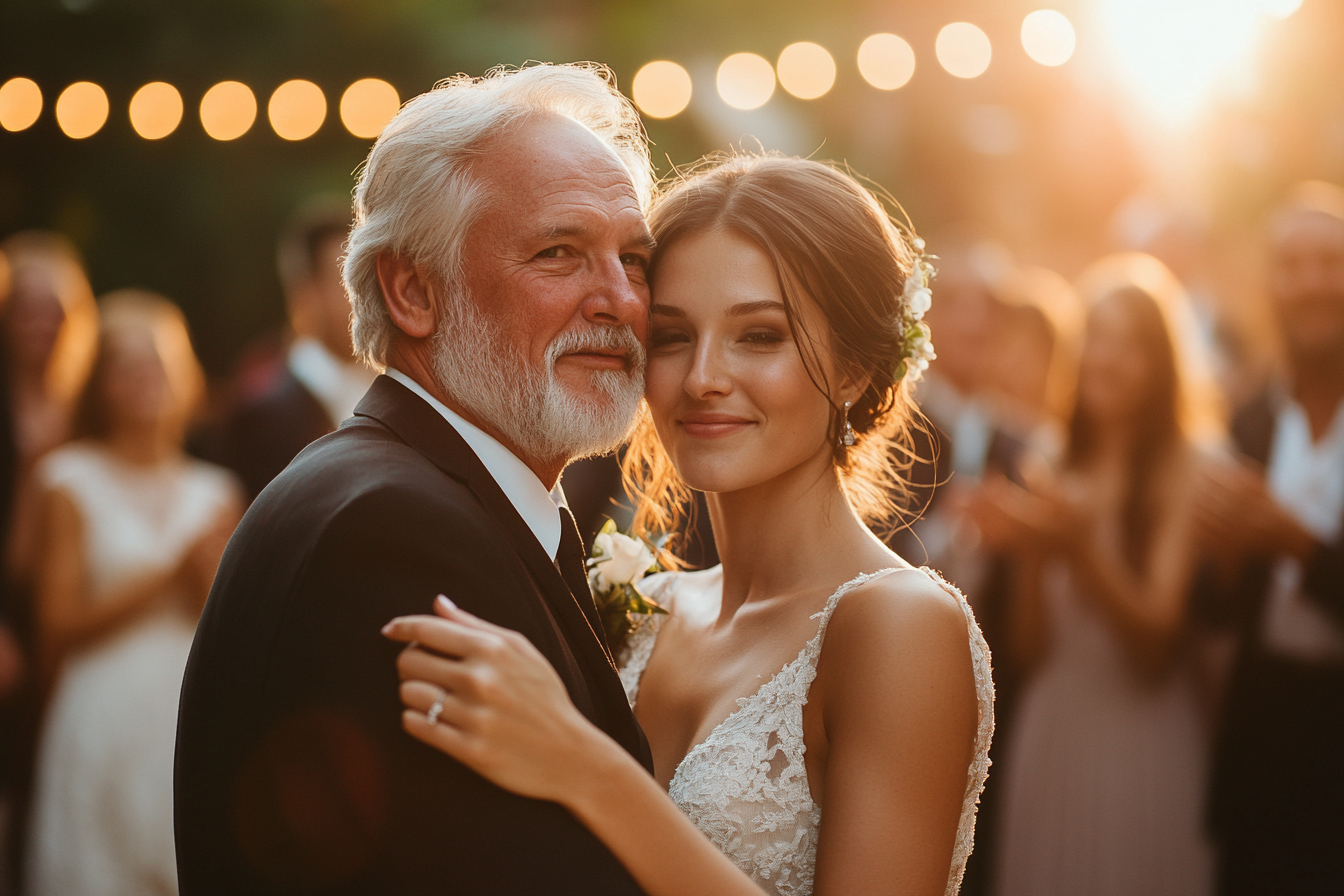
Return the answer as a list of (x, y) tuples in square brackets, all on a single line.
[(746, 785)]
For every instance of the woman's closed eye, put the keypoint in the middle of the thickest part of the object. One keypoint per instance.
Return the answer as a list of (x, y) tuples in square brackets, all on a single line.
[(668, 336), (763, 336)]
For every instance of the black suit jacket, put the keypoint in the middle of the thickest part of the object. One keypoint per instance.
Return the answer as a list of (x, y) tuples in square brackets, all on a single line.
[(293, 774), (1274, 805), (268, 432)]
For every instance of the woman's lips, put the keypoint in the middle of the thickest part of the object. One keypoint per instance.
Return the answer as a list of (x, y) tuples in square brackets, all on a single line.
[(713, 426)]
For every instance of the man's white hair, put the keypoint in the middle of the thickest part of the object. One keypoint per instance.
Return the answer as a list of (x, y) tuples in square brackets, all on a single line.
[(416, 196)]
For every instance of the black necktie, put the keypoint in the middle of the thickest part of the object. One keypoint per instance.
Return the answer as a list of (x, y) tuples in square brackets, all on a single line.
[(571, 560)]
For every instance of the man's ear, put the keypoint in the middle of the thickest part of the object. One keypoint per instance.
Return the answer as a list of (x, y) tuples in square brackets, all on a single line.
[(409, 293)]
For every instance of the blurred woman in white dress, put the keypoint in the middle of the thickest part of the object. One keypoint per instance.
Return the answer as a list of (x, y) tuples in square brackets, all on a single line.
[(132, 533)]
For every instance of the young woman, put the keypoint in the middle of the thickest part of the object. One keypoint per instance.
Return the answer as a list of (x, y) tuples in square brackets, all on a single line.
[(132, 532), (1105, 767), (784, 319)]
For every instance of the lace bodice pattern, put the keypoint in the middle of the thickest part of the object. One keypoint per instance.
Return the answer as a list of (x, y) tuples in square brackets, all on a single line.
[(745, 786)]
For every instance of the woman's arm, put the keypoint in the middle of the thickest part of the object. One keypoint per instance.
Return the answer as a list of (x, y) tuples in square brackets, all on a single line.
[(67, 618), (506, 715), (1147, 604), (897, 693)]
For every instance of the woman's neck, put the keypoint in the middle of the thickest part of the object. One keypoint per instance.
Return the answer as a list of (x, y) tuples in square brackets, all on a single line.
[(143, 445), (786, 535)]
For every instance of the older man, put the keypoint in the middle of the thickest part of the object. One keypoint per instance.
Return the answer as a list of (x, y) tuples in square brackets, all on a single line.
[(1277, 802), (497, 271)]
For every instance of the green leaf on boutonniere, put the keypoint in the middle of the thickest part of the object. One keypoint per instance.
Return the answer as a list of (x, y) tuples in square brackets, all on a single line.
[(616, 564)]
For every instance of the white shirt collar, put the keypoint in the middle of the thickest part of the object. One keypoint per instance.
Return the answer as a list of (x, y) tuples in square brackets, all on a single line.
[(520, 485), (337, 385)]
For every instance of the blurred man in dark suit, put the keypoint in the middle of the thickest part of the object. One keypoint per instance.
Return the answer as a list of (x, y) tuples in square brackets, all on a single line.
[(320, 382), (1277, 801)]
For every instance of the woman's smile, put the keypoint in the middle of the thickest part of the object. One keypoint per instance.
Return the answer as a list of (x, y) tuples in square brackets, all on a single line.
[(706, 425)]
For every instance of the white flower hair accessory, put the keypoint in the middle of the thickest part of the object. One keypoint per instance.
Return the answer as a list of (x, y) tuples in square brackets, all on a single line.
[(916, 337)]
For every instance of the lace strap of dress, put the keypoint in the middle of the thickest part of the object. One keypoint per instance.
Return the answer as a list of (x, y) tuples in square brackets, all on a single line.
[(639, 643), (814, 646)]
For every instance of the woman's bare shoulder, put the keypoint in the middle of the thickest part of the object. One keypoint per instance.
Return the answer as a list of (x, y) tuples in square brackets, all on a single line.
[(907, 617)]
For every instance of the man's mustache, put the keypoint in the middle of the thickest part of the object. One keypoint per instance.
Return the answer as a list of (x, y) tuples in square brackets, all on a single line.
[(619, 339)]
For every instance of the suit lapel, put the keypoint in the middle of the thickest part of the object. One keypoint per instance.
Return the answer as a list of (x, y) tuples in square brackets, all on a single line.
[(425, 430)]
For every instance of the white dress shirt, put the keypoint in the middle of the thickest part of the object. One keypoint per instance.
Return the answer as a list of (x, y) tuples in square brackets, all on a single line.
[(337, 385), (1307, 479), (520, 485)]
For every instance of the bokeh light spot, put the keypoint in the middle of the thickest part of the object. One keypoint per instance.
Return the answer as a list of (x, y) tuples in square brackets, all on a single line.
[(661, 89), (228, 110), (806, 70), (156, 110), (886, 61), (367, 106), (746, 81), (1048, 37), (81, 109), (20, 104), (963, 50), (297, 109)]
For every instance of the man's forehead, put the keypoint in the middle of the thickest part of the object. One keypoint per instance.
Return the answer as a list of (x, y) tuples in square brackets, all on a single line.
[(549, 157)]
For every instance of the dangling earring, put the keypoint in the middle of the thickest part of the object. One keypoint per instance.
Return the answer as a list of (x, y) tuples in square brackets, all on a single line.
[(847, 437)]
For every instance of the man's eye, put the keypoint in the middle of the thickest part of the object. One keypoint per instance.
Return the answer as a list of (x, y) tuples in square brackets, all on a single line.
[(553, 252), (635, 260)]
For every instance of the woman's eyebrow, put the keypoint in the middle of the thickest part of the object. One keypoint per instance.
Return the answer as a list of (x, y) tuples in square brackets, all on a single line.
[(744, 308), (667, 310)]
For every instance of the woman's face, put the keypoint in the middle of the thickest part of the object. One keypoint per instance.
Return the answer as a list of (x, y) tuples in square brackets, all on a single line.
[(136, 386), (729, 394), (35, 318), (1114, 371)]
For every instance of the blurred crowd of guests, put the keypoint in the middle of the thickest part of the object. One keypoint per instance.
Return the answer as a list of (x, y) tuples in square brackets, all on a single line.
[(1156, 560)]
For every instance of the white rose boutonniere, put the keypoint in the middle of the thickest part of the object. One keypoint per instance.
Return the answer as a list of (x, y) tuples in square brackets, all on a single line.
[(615, 566)]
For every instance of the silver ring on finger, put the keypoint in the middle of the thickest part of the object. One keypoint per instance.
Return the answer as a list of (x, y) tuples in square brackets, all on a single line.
[(436, 707)]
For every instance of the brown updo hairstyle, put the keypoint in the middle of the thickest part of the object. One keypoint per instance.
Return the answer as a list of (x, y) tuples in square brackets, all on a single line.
[(832, 243)]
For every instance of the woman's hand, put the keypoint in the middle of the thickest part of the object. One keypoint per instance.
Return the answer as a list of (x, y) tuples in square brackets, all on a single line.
[(502, 709)]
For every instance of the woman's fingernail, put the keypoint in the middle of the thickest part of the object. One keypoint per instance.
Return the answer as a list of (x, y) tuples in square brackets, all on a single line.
[(443, 601), (388, 628)]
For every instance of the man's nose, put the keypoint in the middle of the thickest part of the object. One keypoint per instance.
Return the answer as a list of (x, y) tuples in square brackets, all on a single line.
[(616, 299)]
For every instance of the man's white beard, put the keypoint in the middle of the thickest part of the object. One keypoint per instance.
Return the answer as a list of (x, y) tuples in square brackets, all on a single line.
[(541, 419)]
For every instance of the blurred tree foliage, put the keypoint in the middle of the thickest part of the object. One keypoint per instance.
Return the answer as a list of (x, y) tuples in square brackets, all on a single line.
[(196, 219)]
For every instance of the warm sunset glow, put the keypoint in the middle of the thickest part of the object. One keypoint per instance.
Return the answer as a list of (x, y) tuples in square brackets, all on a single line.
[(297, 109), (81, 109), (806, 70), (1176, 55), (886, 61), (963, 50), (746, 81), (1048, 37), (228, 110), (20, 104), (156, 110), (661, 89), (367, 106)]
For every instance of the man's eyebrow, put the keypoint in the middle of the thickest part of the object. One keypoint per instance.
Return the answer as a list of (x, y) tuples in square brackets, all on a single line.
[(742, 309), (562, 231)]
